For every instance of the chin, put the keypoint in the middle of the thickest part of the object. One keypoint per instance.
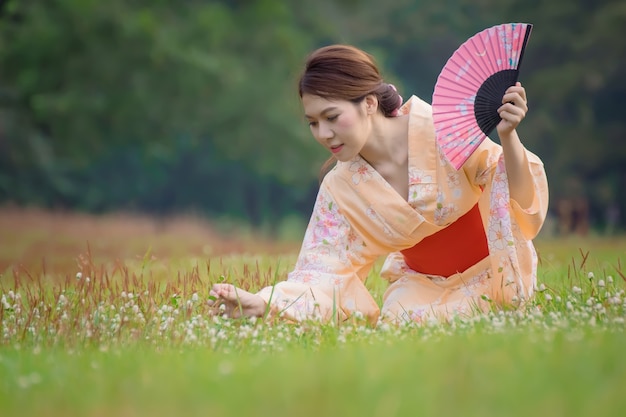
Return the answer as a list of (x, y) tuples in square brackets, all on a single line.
[(342, 158), (345, 156)]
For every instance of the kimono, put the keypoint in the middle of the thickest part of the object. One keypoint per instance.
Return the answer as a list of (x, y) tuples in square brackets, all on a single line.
[(358, 217)]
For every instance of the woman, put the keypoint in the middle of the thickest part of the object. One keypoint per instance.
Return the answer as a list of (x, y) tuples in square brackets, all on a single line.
[(455, 241)]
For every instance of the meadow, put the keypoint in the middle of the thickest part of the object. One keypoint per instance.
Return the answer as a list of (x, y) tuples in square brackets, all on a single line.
[(104, 316)]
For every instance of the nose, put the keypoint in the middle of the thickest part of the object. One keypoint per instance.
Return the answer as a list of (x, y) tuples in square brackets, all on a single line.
[(324, 132)]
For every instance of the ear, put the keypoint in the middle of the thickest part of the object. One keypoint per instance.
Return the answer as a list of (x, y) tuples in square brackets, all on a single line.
[(371, 104)]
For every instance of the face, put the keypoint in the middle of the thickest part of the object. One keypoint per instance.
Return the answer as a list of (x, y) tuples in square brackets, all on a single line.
[(340, 126)]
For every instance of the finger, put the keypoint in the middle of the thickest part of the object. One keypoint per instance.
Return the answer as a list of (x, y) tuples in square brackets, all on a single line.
[(514, 98), (214, 298), (221, 290), (228, 291), (510, 98), (517, 88), (513, 109), (512, 119)]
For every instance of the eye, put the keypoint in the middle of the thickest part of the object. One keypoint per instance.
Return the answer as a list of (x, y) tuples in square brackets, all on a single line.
[(312, 124), (332, 118)]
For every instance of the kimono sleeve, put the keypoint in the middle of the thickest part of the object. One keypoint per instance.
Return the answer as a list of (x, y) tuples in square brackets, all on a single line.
[(328, 278), (481, 169)]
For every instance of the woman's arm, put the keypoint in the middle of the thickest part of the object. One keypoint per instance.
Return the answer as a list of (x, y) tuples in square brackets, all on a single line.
[(520, 178), (327, 281)]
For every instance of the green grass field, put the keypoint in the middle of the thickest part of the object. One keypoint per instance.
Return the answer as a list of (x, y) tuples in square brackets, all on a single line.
[(109, 317)]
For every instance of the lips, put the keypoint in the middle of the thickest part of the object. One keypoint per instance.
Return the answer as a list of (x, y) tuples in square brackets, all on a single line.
[(335, 149)]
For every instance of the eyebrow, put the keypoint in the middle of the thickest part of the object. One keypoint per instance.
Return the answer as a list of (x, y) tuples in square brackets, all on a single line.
[(323, 112)]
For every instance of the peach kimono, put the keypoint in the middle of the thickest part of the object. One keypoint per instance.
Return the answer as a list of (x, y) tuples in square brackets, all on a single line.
[(359, 217)]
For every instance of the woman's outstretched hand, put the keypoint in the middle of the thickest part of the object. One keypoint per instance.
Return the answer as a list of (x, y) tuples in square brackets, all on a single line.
[(513, 110), (237, 302)]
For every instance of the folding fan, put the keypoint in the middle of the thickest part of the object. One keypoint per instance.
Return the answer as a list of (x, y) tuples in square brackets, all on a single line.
[(471, 85)]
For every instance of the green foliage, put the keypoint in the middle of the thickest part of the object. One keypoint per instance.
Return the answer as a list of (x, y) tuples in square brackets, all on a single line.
[(168, 106), (103, 100)]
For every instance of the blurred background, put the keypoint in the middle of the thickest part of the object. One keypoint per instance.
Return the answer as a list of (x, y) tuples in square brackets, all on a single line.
[(175, 107)]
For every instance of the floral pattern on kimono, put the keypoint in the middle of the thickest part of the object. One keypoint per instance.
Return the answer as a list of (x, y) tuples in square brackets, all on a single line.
[(359, 217)]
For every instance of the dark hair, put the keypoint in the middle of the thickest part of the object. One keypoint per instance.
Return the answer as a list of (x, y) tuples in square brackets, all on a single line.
[(343, 72)]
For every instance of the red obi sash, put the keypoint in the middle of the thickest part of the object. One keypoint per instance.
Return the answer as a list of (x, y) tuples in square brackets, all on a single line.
[(453, 249)]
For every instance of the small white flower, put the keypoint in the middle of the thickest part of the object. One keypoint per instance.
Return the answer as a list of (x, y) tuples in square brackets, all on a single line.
[(590, 275), (542, 287), (609, 279), (601, 283), (79, 275), (576, 290), (548, 297)]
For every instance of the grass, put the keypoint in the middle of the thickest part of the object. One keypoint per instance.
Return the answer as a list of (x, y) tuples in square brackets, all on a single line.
[(472, 375), (109, 316)]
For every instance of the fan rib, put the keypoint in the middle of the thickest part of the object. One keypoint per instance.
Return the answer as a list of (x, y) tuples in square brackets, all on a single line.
[(478, 78), (527, 31), (484, 61), (470, 56), (491, 52), (458, 124), (517, 39), (471, 87), (457, 91)]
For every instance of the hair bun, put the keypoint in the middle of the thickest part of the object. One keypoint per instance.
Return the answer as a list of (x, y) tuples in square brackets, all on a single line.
[(390, 100)]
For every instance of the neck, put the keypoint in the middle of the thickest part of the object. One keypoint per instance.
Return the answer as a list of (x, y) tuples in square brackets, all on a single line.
[(387, 143)]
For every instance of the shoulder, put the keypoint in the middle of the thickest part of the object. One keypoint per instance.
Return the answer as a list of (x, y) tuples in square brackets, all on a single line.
[(417, 107), (420, 117)]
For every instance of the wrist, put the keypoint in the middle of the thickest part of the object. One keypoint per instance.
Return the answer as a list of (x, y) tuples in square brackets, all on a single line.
[(509, 138)]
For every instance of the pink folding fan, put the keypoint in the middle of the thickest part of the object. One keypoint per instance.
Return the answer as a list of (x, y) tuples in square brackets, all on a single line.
[(470, 87)]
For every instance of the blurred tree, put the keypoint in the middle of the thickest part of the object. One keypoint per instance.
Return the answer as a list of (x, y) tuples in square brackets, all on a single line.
[(165, 106), (91, 87)]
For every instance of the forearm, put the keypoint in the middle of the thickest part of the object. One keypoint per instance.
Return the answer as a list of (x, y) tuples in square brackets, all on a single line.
[(517, 169)]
